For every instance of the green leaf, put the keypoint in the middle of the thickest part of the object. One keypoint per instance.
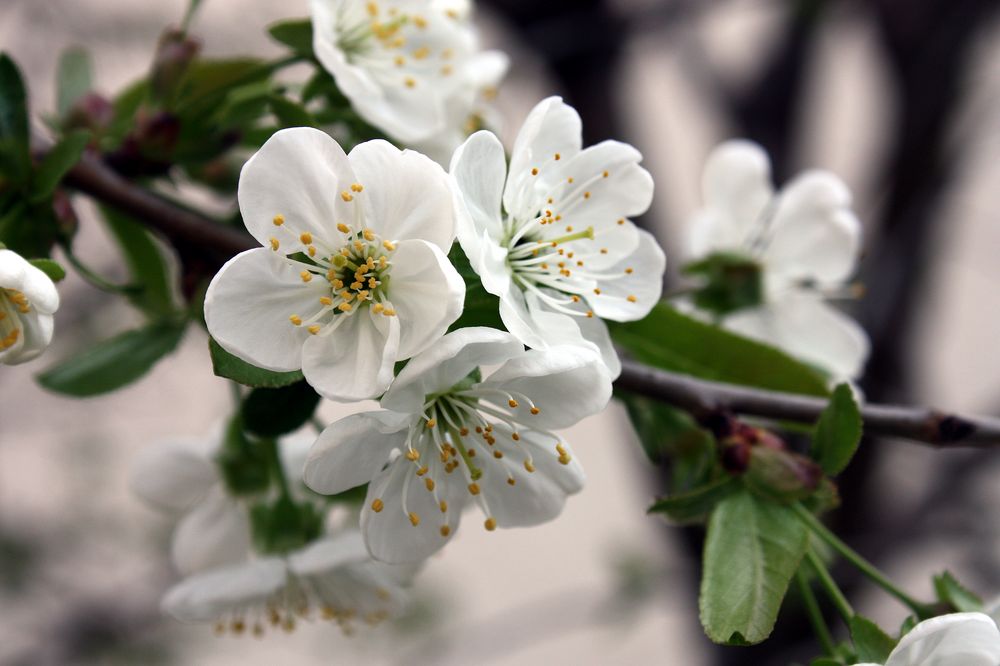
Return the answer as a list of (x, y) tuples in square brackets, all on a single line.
[(74, 79), (752, 550), (673, 341), (871, 643), (15, 159), (289, 113), (243, 464), (694, 506), (270, 412), (296, 35), (113, 363), (147, 264), (956, 595), (481, 307), (838, 432), (731, 282), (227, 366), (53, 269), (63, 156), (783, 476)]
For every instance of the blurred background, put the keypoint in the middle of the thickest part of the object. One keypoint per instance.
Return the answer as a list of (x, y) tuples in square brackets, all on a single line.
[(899, 97)]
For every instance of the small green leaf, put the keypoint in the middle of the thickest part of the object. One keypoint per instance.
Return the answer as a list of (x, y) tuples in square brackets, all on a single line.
[(53, 269), (783, 476), (956, 595), (838, 432), (694, 506), (113, 363), (296, 35), (227, 366), (673, 341), (63, 156), (271, 412), (481, 307), (74, 79), (289, 113), (15, 159), (147, 264), (872, 644), (752, 550)]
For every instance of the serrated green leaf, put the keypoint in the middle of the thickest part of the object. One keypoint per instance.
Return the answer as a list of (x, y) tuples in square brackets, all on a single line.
[(695, 505), (227, 366), (838, 432), (74, 78), (290, 114), (63, 156), (147, 265), (296, 35), (752, 550), (872, 644), (271, 412), (113, 363), (51, 268), (953, 593), (673, 341), (15, 159)]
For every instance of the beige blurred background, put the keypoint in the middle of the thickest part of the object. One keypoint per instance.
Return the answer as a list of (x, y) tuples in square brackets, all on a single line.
[(603, 584)]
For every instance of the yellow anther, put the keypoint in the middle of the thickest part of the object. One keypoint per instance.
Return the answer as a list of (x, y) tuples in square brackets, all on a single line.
[(369, 236), (630, 298), (431, 423), (621, 222), (529, 466), (372, 9), (346, 295), (628, 271), (570, 179), (420, 21), (490, 524), (306, 276), (399, 60), (474, 488), (377, 308), (421, 53), (275, 244), (359, 246), (534, 171), (429, 483), (412, 454), (410, 82), (498, 454), (597, 291), (516, 437), (445, 530), (478, 430), (565, 459), (345, 307), (575, 298), (296, 320), (377, 505), (586, 195), (414, 519), (372, 283), (383, 262), (357, 284), (306, 238), (357, 187), (443, 506), (389, 312), (278, 220), (343, 228), (512, 403), (422, 471), (463, 432), (238, 626), (604, 250), (558, 156), (590, 314), (446, 70), (326, 300), (363, 295), (605, 174), (388, 246), (452, 13), (311, 250), (346, 196), (510, 481), (314, 329), (535, 410)]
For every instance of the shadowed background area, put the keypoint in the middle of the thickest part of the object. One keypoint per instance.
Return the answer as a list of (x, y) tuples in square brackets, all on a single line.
[(900, 98)]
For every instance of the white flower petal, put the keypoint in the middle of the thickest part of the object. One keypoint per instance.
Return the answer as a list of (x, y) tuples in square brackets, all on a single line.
[(38, 288), (174, 476), (298, 173), (36, 334), (631, 295), (205, 597), (350, 452), (406, 195), (479, 170), (329, 553), (248, 305), (215, 533), (969, 639), (595, 333), (427, 293)]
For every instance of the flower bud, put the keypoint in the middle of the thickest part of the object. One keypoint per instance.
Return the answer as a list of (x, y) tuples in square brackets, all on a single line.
[(66, 218), (174, 53), (91, 112), (782, 475)]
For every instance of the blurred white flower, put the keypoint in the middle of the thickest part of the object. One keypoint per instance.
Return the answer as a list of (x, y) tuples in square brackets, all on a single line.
[(785, 252), (962, 639), (335, 228), (405, 65), (332, 578), (565, 255), (28, 299), (448, 435)]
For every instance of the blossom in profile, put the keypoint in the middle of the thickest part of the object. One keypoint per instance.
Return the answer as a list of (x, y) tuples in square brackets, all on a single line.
[(406, 67), (966, 639), (469, 421), (770, 260), (551, 235), (353, 273), (28, 299)]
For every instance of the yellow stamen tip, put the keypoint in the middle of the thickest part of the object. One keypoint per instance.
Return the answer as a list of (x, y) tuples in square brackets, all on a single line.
[(414, 519), (377, 505), (278, 220), (490, 524)]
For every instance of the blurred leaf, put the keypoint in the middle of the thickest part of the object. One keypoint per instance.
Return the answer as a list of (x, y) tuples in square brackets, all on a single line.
[(289, 113), (113, 363), (30, 230), (673, 341), (15, 159), (271, 412), (731, 282), (51, 268), (783, 476), (208, 81), (481, 307), (244, 464), (956, 595), (872, 644), (838, 432), (694, 506), (296, 35), (825, 498), (63, 156), (752, 550), (228, 366), (147, 265), (74, 78)]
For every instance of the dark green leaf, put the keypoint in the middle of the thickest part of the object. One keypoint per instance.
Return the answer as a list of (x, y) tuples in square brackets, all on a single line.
[(673, 341), (289, 113), (838, 431), (270, 412), (209, 81), (956, 595), (244, 464), (752, 550), (481, 307), (15, 159), (73, 79), (694, 506), (296, 35), (228, 366), (51, 268), (147, 265), (113, 363), (731, 282), (57, 162), (872, 644)]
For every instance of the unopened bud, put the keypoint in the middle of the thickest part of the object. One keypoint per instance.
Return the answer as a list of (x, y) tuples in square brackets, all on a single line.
[(782, 475), (91, 112), (735, 456), (174, 53), (66, 218)]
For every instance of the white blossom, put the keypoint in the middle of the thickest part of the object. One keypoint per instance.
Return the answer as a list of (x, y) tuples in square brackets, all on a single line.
[(551, 236), (28, 299), (965, 639), (805, 241), (451, 433), (335, 228)]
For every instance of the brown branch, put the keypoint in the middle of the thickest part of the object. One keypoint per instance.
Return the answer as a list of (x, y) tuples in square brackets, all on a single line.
[(702, 398)]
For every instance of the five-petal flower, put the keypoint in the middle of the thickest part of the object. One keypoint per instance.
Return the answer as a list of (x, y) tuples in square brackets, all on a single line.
[(28, 299)]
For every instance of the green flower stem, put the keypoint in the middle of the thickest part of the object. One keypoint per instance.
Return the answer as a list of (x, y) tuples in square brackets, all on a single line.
[(277, 469), (815, 614), (860, 563), (830, 586)]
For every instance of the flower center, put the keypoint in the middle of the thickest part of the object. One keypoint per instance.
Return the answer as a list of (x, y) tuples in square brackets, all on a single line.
[(12, 303)]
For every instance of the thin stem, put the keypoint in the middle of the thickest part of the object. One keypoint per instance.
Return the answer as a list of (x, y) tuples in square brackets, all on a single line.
[(815, 614), (90, 276), (830, 586), (860, 563)]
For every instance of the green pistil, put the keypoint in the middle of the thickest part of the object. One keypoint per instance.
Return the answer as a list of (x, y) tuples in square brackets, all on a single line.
[(586, 233), (474, 472)]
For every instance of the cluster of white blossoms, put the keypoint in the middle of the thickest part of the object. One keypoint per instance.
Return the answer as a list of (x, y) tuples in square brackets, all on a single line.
[(28, 299)]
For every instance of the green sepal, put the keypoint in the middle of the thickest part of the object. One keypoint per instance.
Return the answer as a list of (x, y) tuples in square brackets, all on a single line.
[(783, 476), (838, 431), (871, 643), (957, 596), (228, 366), (53, 269)]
